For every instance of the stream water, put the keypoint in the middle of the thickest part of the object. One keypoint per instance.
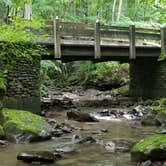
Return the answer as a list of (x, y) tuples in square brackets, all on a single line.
[(86, 154)]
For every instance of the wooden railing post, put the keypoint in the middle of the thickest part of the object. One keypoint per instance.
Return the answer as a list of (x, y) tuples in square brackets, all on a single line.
[(57, 42), (97, 47), (163, 40), (132, 42)]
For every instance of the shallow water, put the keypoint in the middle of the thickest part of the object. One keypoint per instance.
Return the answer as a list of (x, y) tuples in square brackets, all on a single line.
[(86, 155)]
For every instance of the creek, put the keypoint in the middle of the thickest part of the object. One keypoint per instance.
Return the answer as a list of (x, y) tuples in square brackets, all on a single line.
[(121, 131)]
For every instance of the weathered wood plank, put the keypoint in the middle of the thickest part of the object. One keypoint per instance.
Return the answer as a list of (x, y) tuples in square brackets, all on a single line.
[(57, 42), (132, 42), (72, 24), (148, 36), (77, 32), (108, 27), (147, 30), (163, 40), (97, 48)]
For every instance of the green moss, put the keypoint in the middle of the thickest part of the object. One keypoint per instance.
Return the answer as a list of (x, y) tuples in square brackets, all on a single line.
[(2, 89), (160, 103), (23, 120), (161, 110), (152, 147), (160, 107), (124, 91), (23, 127)]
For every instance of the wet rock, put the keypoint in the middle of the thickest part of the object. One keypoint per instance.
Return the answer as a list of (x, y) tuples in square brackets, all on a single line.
[(23, 126), (150, 148), (110, 146), (80, 116), (113, 113), (123, 145), (161, 116), (123, 91), (105, 112), (76, 139), (65, 149), (152, 163), (150, 120), (36, 156), (3, 143), (162, 130), (56, 133), (138, 111), (99, 132), (66, 128), (147, 163), (52, 122)]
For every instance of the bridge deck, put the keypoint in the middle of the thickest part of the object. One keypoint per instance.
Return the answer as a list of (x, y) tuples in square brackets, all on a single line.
[(78, 41), (76, 52)]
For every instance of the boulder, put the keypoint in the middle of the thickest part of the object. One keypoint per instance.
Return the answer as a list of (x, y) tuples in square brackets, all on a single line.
[(162, 130), (161, 116), (65, 149), (23, 127), (36, 156), (77, 139), (3, 143), (110, 146), (150, 120), (160, 108), (151, 148), (80, 116)]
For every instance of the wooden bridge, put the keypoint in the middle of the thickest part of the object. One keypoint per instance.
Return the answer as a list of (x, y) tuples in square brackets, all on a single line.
[(77, 41)]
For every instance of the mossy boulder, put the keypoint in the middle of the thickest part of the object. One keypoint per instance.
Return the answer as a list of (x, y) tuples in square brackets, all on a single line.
[(123, 91), (150, 148), (22, 126), (161, 116), (1, 132)]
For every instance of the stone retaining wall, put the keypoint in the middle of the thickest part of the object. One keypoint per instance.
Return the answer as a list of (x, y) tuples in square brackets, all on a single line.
[(23, 83)]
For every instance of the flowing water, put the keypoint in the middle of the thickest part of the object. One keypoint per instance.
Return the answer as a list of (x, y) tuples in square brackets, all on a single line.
[(86, 154)]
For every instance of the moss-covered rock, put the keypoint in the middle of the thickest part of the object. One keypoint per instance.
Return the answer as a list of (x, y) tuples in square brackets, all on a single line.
[(150, 148), (123, 91), (161, 114), (1, 132), (22, 126)]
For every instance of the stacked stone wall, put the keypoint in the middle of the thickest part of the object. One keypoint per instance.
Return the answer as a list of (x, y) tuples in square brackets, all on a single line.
[(148, 78)]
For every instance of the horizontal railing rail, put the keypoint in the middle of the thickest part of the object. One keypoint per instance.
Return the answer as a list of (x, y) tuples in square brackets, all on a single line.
[(97, 35)]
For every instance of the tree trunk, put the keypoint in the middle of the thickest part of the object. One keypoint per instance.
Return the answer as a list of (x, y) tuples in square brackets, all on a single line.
[(113, 11), (28, 12), (120, 10)]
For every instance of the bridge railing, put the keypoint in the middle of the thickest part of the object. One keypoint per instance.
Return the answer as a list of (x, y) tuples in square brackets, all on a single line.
[(97, 35)]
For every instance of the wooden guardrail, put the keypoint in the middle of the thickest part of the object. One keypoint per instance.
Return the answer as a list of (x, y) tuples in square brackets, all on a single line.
[(100, 35)]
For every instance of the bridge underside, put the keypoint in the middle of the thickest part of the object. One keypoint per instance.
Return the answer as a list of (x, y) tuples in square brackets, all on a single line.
[(120, 53), (147, 74)]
